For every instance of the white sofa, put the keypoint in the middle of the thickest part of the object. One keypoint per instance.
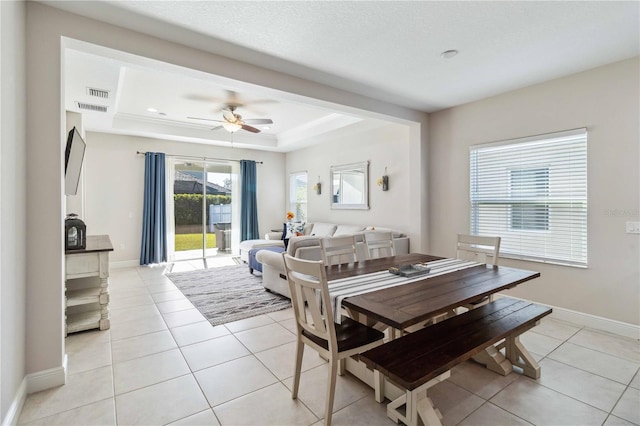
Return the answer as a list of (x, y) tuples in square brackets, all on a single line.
[(308, 247), (271, 239)]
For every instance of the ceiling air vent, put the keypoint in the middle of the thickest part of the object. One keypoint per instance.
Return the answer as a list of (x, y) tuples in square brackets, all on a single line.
[(92, 107), (99, 93)]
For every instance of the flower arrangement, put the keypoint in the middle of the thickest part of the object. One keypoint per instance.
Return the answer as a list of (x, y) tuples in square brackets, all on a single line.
[(383, 180), (293, 228)]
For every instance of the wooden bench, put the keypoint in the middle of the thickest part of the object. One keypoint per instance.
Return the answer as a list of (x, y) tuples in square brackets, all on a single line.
[(420, 360)]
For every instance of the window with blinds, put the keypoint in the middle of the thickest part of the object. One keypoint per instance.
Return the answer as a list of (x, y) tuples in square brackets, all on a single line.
[(532, 192)]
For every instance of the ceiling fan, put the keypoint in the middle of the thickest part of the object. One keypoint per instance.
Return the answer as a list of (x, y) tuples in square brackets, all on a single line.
[(233, 122)]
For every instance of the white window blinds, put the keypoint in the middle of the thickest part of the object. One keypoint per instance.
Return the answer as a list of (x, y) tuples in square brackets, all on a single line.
[(532, 192)]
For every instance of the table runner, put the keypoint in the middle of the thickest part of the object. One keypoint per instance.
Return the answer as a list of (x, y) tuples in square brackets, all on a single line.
[(361, 284)]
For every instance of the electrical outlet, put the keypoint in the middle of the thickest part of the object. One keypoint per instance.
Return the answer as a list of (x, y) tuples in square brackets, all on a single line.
[(633, 227)]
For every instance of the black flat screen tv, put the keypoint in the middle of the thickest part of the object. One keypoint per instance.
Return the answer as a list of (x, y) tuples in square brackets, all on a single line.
[(73, 157)]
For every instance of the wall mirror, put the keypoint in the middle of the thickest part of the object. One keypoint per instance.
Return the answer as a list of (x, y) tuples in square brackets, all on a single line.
[(350, 186)]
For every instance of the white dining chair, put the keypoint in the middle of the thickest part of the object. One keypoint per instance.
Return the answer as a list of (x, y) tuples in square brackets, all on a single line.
[(338, 250), (478, 248), (481, 249), (316, 327), (379, 244)]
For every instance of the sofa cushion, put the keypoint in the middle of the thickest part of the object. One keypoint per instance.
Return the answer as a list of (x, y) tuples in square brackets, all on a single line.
[(323, 229), (296, 243), (347, 230)]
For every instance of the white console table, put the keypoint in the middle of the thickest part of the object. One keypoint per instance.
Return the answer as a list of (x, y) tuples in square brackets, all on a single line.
[(86, 285)]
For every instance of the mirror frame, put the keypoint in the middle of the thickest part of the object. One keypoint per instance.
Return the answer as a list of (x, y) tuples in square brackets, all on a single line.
[(364, 166)]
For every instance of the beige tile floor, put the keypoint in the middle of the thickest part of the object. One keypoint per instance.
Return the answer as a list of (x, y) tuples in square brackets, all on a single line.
[(163, 363)]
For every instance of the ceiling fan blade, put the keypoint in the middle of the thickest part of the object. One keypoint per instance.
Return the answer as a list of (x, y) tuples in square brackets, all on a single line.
[(202, 98), (216, 128), (206, 119), (250, 129), (258, 121), (232, 97)]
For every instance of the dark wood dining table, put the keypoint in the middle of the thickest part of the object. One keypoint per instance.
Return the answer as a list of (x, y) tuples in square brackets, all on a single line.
[(403, 306)]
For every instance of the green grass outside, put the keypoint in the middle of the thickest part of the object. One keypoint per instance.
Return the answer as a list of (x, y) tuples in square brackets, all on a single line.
[(193, 241)]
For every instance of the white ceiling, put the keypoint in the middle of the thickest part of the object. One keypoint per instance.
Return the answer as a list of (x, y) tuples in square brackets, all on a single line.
[(135, 87), (388, 50)]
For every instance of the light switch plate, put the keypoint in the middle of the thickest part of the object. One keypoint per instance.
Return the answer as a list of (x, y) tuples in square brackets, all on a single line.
[(633, 227)]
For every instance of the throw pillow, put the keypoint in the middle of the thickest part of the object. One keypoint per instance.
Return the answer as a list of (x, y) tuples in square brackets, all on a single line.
[(295, 229), (347, 230), (323, 229)]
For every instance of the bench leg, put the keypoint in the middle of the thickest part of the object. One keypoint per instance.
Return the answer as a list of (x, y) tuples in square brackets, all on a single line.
[(428, 413), (418, 406), (494, 361), (518, 355), (393, 411)]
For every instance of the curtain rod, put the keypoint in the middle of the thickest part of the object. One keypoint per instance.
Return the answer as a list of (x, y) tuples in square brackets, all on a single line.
[(199, 158)]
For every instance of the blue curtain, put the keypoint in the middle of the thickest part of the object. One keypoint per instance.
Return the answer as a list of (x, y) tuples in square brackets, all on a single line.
[(248, 203), (154, 217)]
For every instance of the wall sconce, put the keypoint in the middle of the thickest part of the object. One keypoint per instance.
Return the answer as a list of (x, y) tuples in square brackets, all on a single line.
[(318, 187), (383, 180)]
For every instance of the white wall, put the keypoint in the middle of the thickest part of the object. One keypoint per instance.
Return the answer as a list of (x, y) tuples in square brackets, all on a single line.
[(115, 185), (383, 146), (606, 101), (13, 206), (45, 123)]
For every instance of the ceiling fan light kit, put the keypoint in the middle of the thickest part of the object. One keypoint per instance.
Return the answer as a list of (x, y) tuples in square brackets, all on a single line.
[(231, 127), (233, 122)]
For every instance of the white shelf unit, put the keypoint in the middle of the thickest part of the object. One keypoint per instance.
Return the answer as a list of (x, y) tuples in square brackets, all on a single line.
[(87, 286)]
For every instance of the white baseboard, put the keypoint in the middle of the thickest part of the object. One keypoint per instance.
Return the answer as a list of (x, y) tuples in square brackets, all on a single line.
[(16, 405), (592, 321), (35, 382), (47, 379)]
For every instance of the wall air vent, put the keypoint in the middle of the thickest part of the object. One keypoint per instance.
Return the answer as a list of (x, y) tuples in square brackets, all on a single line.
[(99, 93), (92, 107)]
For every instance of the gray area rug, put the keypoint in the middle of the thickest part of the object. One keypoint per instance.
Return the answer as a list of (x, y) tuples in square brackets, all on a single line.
[(228, 293)]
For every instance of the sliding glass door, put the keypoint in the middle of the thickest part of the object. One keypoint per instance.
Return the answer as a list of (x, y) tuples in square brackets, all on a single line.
[(203, 209)]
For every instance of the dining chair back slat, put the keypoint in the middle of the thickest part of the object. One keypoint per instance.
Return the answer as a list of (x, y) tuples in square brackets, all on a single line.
[(379, 244), (478, 248), (481, 249), (339, 250)]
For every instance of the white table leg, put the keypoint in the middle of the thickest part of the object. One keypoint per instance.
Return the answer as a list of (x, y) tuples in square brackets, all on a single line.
[(378, 386)]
